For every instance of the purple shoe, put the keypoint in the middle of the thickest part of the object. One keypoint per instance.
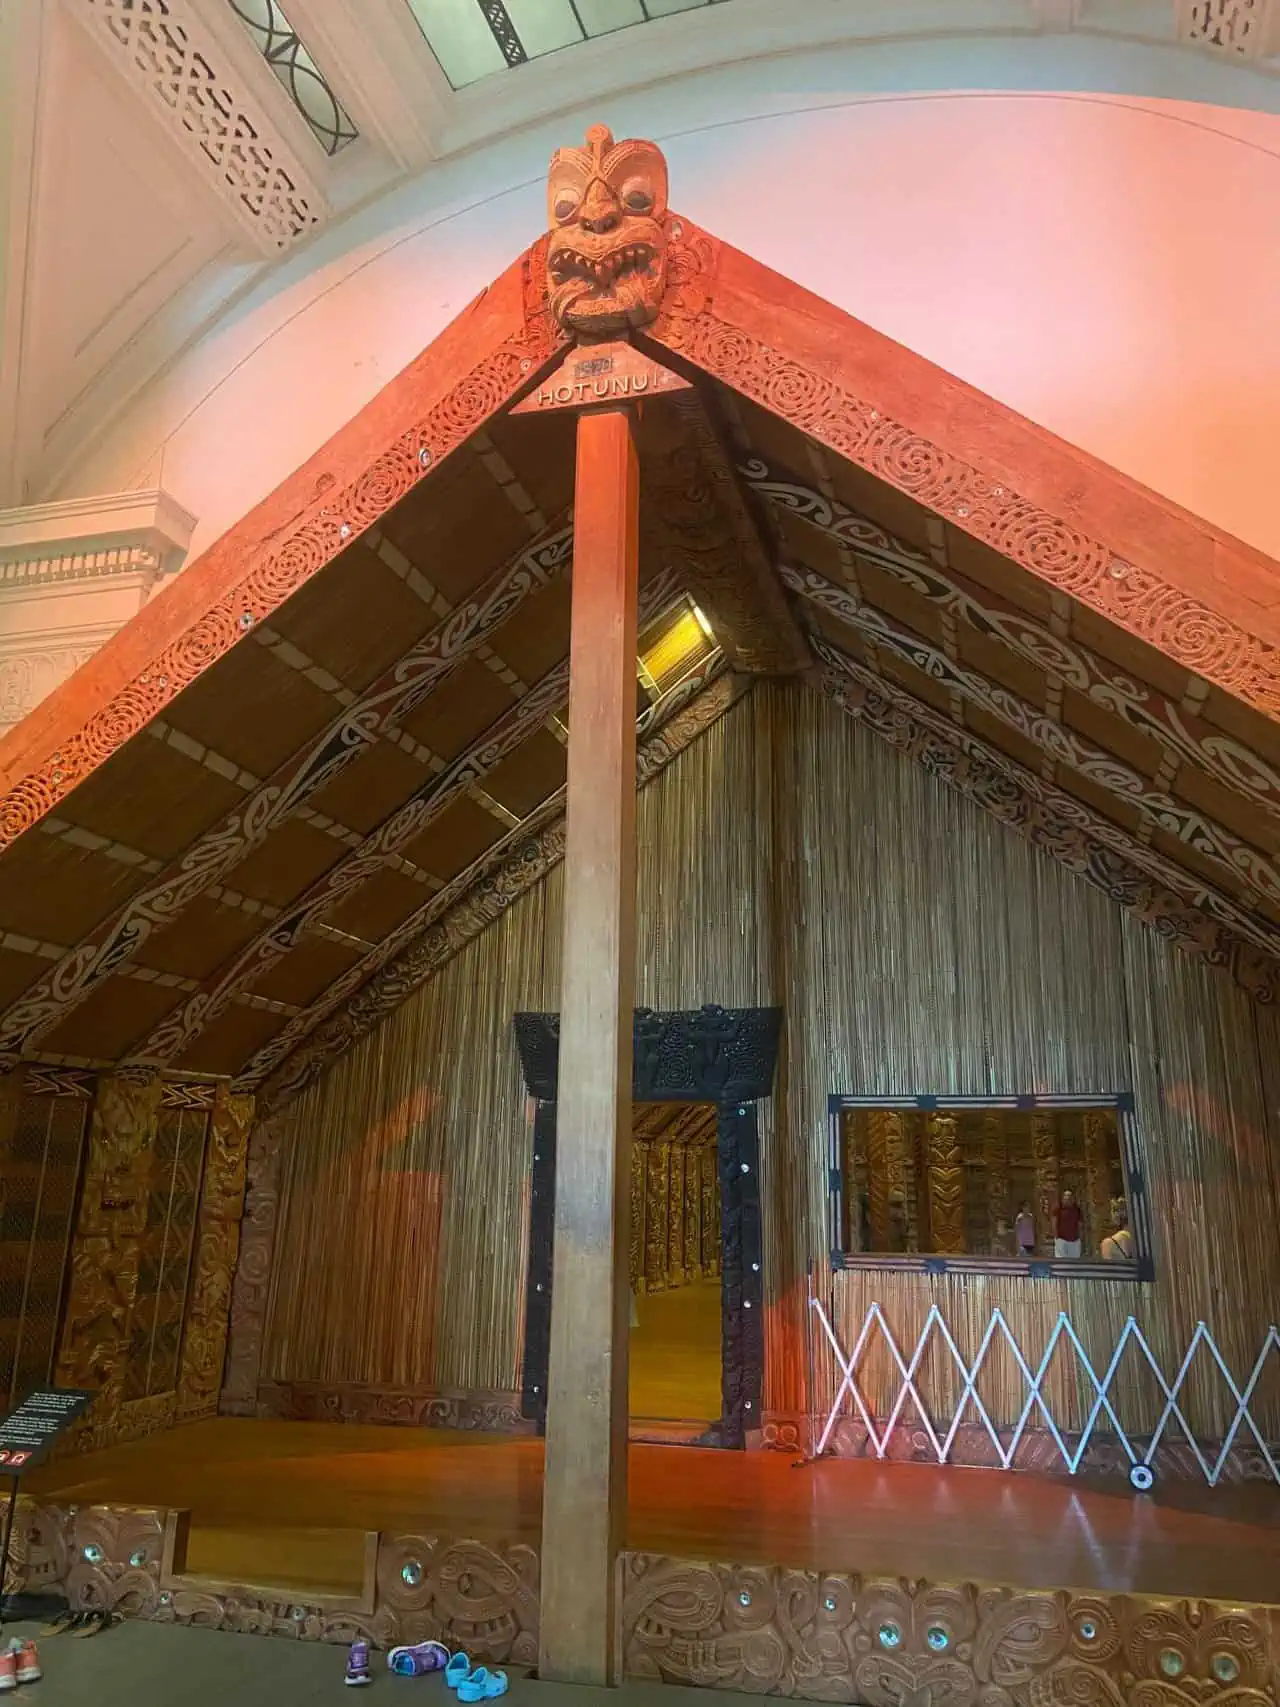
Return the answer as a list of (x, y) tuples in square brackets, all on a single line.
[(358, 1672), (419, 1660)]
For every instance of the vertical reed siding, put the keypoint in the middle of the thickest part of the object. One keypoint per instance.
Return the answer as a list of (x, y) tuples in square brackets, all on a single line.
[(916, 946)]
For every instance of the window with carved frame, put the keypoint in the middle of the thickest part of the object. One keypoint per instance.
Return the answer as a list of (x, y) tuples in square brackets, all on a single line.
[(988, 1184)]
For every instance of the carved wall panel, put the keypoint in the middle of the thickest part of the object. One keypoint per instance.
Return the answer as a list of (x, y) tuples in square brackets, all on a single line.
[(886, 1642), (222, 1204), (760, 1629), (878, 1181), (995, 1155), (675, 1199), (946, 1183), (253, 1267), (657, 1171), (106, 1251), (470, 1594), (409, 1407), (1044, 1151)]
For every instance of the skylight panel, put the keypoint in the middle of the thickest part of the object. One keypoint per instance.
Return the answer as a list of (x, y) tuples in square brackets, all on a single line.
[(279, 44), (474, 38)]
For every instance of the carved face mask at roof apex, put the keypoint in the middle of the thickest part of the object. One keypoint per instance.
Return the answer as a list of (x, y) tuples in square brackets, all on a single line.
[(607, 257)]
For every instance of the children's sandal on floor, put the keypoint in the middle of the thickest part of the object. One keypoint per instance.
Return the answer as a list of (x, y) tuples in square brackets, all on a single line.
[(483, 1685), (419, 1659), (457, 1671)]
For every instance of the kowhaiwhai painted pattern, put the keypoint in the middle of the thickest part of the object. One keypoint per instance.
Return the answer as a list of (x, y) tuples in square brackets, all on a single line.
[(1079, 839), (1060, 743), (392, 697), (1183, 737), (420, 946)]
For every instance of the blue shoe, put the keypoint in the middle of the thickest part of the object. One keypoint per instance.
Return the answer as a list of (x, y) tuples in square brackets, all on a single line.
[(483, 1685), (457, 1671)]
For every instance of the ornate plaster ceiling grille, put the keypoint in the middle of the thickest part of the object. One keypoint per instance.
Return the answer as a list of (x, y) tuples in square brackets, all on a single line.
[(303, 81), (474, 38), (1241, 27), (162, 48)]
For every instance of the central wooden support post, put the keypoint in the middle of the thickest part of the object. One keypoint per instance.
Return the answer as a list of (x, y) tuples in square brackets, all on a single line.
[(584, 1502)]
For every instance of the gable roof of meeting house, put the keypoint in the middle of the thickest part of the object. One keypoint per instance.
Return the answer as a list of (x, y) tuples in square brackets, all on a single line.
[(296, 782)]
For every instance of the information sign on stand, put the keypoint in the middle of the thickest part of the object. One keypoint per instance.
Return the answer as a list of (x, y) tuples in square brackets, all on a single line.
[(26, 1435)]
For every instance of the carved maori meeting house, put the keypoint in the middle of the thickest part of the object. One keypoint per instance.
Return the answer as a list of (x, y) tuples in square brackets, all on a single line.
[(676, 940)]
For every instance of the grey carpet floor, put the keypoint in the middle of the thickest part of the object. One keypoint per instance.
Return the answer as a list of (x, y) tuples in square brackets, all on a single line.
[(136, 1664)]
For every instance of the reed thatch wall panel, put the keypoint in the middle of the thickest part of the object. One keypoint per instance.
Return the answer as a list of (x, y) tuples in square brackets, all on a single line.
[(403, 1220), (916, 946)]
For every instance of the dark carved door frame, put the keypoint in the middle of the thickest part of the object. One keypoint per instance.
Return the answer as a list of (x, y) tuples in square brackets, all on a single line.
[(724, 1056)]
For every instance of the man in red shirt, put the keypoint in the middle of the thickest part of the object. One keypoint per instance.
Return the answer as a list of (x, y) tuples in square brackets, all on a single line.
[(1066, 1227)]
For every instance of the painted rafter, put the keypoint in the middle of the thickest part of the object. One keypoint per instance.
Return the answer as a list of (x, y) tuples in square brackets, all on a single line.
[(175, 1033), (423, 944), (395, 693), (1184, 737), (1172, 581), (1157, 891), (1210, 840), (397, 441)]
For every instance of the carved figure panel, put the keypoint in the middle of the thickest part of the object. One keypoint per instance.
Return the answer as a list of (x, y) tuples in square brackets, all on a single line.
[(204, 1340), (607, 253), (105, 1255), (946, 1183), (886, 1642), (252, 1277)]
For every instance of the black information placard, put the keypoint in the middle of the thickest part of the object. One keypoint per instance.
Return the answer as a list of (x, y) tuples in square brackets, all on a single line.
[(28, 1433)]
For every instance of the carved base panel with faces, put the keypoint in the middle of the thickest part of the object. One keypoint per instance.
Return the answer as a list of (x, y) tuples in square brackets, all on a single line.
[(764, 1629)]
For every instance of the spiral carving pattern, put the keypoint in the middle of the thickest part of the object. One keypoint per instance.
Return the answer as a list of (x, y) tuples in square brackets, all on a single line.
[(818, 404), (887, 1641), (276, 568)]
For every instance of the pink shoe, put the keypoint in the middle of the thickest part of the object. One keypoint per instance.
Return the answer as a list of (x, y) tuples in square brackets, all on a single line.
[(28, 1663)]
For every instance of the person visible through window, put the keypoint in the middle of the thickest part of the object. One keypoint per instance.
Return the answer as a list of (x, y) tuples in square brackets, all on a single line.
[(1066, 1228), (1118, 1245), (1024, 1233)]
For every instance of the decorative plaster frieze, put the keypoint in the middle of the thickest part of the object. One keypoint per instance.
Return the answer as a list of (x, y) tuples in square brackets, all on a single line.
[(168, 53), (71, 574), (29, 675)]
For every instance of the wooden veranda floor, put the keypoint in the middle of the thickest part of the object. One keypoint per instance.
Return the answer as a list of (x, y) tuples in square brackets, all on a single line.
[(290, 1503)]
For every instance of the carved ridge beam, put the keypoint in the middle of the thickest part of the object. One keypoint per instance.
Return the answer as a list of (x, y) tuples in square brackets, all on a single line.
[(401, 687), (1083, 842), (1167, 578), (697, 515), (529, 854), (177, 1031), (1210, 840), (1184, 737)]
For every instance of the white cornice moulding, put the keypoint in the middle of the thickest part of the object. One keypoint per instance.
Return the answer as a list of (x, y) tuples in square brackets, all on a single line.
[(120, 533)]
